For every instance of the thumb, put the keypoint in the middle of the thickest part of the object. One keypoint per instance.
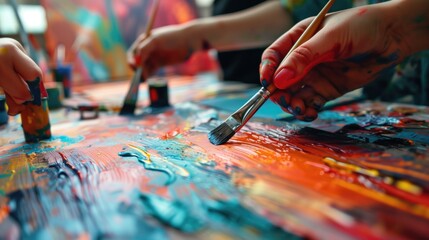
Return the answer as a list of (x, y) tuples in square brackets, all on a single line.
[(320, 48)]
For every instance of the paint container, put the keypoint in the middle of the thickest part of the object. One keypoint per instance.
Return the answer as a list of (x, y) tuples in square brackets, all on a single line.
[(35, 116), (35, 121), (55, 93), (63, 74), (158, 93), (88, 112), (4, 118)]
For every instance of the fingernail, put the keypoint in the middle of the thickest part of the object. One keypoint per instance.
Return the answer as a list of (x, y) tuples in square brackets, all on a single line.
[(283, 76), (264, 83), (283, 102), (297, 111)]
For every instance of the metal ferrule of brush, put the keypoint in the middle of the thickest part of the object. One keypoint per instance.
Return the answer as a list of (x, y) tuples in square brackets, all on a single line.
[(237, 120)]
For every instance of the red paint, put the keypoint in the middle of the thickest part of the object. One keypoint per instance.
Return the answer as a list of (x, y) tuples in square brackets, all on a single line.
[(317, 59), (362, 11), (153, 95), (348, 49), (43, 91)]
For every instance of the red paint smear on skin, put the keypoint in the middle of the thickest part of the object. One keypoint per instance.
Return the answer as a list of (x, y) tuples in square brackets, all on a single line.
[(349, 49), (326, 57), (362, 11)]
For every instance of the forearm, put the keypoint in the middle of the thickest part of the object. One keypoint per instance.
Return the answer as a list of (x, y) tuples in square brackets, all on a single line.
[(414, 28), (254, 27)]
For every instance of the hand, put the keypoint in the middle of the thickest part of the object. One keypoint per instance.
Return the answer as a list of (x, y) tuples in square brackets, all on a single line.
[(165, 46), (351, 49), (16, 67)]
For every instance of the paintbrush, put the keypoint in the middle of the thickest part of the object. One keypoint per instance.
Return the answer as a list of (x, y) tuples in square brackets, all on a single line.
[(236, 121), (131, 98)]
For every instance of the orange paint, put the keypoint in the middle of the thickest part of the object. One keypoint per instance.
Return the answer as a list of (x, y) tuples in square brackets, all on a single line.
[(35, 122)]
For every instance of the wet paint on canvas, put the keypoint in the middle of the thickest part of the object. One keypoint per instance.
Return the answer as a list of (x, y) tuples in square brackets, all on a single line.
[(359, 171)]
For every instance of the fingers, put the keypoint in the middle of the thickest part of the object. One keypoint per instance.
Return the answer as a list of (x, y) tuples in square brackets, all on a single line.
[(133, 53), (13, 107), (16, 68), (304, 104), (274, 54), (322, 47), (270, 61), (26, 67)]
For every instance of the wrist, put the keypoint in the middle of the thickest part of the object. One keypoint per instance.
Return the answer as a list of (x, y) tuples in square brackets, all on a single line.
[(195, 32), (413, 16)]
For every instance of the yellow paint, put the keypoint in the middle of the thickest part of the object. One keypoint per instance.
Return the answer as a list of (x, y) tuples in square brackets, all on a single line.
[(409, 187), (416, 209), (3, 51), (17, 165), (146, 154), (180, 170), (422, 176), (350, 167)]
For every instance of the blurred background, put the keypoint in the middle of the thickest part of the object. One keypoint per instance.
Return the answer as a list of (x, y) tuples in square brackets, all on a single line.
[(96, 34)]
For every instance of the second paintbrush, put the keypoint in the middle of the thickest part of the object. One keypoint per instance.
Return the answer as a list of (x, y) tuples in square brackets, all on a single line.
[(131, 98), (238, 119)]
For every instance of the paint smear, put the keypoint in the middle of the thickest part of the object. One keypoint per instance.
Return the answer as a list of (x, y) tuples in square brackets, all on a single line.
[(359, 171)]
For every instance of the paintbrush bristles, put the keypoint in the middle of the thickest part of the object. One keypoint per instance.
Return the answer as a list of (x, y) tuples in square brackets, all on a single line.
[(221, 134)]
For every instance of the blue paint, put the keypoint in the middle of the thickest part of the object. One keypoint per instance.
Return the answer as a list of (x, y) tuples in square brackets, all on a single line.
[(4, 118), (264, 83), (234, 213), (283, 102), (172, 213), (409, 134), (34, 87), (361, 58), (54, 143), (393, 57), (150, 165)]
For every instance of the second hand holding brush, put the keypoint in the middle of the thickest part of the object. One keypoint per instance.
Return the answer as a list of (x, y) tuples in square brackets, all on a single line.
[(130, 100), (238, 119)]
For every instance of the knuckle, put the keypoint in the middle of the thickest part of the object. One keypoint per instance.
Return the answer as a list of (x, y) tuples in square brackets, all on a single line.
[(302, 55)]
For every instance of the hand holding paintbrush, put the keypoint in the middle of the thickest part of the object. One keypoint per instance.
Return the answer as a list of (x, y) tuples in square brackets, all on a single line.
[(236, 121), (132, 95)]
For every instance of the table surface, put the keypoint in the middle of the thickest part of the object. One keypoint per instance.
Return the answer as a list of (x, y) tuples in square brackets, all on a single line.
[(359, 171)]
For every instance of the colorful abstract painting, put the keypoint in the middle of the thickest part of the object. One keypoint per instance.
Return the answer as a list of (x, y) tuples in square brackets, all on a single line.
[(360, 171), (96, 35)]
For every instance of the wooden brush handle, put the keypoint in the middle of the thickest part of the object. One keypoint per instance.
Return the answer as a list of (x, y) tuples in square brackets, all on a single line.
[(312, 28), (152, 18), (307, 34)]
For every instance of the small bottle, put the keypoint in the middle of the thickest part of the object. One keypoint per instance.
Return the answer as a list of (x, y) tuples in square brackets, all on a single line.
[(35, 116), (158, 93)]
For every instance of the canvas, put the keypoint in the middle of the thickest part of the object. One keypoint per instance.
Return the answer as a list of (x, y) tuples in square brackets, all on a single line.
[(359, 171)]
